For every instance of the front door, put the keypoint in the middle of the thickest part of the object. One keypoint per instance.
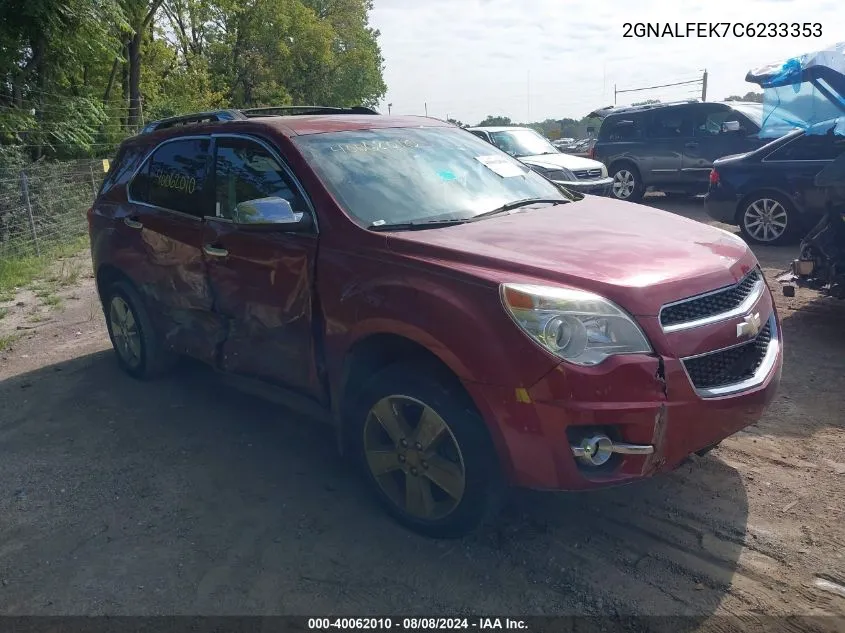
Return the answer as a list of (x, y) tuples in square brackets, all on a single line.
[(713, 137), (262, 279), (168, 198)]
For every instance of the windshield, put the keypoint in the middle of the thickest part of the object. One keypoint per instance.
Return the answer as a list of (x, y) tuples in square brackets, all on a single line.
[(401, 175), (522, 143), (772, 123)]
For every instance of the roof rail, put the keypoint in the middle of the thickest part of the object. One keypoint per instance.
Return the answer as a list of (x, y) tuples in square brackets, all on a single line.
[(603, 112), (294, 110), (198, 117)]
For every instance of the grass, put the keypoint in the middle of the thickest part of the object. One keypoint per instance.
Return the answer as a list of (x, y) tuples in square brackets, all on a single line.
[(3, 312), (7, 341), (18, 272)]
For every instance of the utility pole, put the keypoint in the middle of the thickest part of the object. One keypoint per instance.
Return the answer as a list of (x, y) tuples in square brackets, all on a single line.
[(529, 95), (704, 86), (614, 94), (389, 107), (426, 108)]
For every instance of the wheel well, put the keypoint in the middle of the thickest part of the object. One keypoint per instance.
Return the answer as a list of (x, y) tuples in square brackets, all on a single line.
[(106, 276), (619, 162), (740, 206), (378, 351)]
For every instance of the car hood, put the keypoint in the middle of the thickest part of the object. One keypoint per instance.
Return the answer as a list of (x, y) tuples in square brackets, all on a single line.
[(637, 256), (556, 161)]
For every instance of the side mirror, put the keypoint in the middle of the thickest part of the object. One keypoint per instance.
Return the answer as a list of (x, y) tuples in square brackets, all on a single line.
[(271, 213)]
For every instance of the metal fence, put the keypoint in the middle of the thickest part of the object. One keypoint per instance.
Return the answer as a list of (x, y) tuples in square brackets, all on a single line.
[(44, 205)]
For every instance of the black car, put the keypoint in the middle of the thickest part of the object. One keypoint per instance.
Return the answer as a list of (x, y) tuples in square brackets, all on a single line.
[(770, 193), (671, 147)]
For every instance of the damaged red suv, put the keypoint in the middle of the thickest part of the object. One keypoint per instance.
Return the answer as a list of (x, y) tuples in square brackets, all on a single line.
[(465, 324)]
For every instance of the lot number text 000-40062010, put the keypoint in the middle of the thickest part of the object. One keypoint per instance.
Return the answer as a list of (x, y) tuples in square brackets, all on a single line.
[(416, 624), (721, 29)]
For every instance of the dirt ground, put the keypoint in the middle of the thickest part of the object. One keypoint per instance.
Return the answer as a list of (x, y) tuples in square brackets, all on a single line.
[(183, 497)]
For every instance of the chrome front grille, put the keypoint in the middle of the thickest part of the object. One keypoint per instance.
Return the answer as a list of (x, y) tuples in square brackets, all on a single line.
[(713, 306), (587, 174), (734, 368)]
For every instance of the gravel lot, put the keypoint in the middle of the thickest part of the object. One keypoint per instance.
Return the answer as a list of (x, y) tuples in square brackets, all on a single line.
[(183, 497)]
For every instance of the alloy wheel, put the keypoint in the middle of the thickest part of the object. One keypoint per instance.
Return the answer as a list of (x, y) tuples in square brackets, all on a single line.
[(414, 457), (623, 184), (125, 331), (765, 219)]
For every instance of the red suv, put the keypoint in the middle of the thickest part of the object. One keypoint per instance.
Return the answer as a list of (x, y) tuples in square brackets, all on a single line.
[(465, 324)]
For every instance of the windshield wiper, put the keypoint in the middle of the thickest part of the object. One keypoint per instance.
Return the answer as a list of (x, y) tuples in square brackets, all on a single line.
[(416, 225), (510, 206)]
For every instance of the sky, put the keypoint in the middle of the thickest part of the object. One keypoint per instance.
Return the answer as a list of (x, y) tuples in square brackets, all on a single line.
[(537, 59)]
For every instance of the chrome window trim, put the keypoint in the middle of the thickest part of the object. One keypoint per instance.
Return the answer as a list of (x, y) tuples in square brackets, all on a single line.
[(766, 159), (759, 377), (753, 297), (147, 157)]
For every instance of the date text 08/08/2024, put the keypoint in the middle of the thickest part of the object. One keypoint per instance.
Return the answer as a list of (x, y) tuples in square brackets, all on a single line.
[(416, 624), (721, 29)]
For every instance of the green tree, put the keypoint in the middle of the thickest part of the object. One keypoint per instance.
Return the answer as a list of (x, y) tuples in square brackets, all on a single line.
[(492, 121), (754, 97)]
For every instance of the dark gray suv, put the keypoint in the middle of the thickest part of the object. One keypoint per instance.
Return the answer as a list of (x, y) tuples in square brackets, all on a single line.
[(671, 147)]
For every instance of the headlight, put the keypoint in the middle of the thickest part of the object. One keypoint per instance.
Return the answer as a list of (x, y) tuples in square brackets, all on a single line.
[(561, 174), (579, 327), (603, 170), (555, 174)]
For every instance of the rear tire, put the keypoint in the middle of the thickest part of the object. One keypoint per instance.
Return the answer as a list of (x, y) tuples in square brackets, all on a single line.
[(425, 452), (627, 183), (137, 346), (768, 219)]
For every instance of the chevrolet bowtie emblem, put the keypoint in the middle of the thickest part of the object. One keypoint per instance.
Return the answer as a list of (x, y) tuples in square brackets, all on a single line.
[(750, 326)]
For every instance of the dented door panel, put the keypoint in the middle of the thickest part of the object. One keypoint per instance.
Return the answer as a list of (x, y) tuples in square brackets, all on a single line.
[(164, 259), (262, 288)]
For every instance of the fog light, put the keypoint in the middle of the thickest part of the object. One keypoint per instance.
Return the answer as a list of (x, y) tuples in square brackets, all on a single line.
[(596, 450)]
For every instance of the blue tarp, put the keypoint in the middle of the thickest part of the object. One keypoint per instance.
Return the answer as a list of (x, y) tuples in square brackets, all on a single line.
[(806, 91)]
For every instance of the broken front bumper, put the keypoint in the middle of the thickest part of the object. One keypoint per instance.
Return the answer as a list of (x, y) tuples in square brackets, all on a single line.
[(643, 402)]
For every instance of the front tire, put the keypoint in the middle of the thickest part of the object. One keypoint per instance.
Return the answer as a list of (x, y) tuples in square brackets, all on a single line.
[(425, 452), (627, 183), (138, 349), (768, 219)]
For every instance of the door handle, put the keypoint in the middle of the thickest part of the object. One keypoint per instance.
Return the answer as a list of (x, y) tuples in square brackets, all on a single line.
[(213, 251), (132, 224), (691, 144)]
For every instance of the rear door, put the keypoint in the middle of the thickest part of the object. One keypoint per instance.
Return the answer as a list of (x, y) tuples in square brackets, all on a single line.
[(714, 137), (262, 278), (800, 160), (168, 197), (667, 131)]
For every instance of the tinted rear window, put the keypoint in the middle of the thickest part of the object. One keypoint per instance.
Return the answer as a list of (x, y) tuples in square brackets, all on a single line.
[(624, 129), (811, 147), (122, 167), (175, 177)]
